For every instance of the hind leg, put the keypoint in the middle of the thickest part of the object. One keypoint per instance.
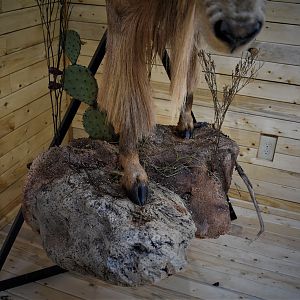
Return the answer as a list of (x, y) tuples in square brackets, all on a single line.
[(186, 121), (185, 125), (135, 179)]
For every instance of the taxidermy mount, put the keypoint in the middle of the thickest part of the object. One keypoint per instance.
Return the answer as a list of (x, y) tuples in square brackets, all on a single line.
[(137, 31)]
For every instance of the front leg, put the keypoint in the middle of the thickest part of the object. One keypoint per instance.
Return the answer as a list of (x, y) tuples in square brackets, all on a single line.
[(135, 179)]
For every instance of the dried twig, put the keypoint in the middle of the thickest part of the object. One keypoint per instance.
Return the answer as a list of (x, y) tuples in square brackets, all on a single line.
[(52, 12), (253, 197), (245, 72)]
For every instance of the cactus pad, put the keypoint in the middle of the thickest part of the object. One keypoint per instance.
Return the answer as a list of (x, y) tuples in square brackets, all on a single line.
[(72, 45), (94, 123), (80, 84)]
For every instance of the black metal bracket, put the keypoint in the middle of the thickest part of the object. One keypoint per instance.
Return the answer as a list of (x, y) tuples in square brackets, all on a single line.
[(19, 220)]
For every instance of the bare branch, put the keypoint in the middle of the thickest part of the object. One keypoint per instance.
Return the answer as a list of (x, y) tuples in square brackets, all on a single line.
[(253, 197), (244, 72)]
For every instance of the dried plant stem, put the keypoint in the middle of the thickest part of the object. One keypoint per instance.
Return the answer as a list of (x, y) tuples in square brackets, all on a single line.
[(253, 197), (245, 72), (52, 12)]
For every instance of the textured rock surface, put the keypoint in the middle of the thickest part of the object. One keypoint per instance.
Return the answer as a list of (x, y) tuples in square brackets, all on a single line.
[(192, 169), (73, 198)]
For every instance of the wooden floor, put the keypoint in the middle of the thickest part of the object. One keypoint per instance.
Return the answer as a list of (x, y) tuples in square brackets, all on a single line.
[(230, 267)]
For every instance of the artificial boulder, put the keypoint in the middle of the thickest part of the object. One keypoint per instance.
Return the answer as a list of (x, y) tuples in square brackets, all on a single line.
[(73, 198)]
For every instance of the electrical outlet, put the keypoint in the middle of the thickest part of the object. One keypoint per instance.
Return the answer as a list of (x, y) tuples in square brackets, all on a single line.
[(267, 147)]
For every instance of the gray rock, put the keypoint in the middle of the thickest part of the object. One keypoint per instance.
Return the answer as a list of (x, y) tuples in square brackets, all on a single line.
[(87, 224)]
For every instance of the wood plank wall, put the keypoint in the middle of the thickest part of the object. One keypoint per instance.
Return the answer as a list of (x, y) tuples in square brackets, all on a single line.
[(25, 107), (270, 105)]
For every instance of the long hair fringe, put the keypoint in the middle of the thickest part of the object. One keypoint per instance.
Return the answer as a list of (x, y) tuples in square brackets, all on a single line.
[(137, 31)]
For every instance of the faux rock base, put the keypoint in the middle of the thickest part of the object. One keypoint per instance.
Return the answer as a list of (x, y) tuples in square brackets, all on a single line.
[(192, 169), (87, 224)]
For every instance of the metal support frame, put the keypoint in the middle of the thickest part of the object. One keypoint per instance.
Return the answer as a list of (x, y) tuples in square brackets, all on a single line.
[(19, 220)]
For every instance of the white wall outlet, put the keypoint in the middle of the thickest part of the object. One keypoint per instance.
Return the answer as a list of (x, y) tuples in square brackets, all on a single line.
[(267, 147)]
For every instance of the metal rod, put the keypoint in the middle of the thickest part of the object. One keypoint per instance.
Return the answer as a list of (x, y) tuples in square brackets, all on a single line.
[(11, 237), (30, 277)]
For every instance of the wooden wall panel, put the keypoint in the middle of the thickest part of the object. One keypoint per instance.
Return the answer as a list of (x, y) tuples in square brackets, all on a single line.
[(270, 105), (25, 108)]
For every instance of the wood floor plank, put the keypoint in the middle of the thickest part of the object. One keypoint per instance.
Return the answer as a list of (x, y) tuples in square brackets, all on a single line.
[(9, 217), (85, 287), (252, 221), (294, 215), (251, 273), (202, 290), (91, 289), (26, 235), (278, 220), (268, 268), (35, 291), (18, 265), (65, 284), (274, 224), (9, 296), (237, 283), (248, 258), (259, 247), (269, 238), (145, 292)]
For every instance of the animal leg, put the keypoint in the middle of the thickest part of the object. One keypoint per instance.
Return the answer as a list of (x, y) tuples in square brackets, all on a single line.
[(135, 179), (185, 125)]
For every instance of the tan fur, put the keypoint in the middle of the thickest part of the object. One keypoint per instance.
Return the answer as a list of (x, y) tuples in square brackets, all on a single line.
[(137, 31), (133, 171), (186, 120)]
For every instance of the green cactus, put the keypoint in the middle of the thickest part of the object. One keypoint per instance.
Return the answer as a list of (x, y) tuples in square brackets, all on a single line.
[(72, 45), (80, 84), (94, 123)]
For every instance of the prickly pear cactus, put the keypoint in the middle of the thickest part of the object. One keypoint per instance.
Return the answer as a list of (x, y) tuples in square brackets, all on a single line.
[(94, 123), (80, 83), (72, 45)]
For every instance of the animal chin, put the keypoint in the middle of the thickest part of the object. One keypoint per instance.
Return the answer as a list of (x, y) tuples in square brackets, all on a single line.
[(217, 45), (221, 46)]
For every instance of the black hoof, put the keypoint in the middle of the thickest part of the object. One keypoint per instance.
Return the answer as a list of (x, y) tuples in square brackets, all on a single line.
[(186, 134), (138, 194), (189, 134)]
